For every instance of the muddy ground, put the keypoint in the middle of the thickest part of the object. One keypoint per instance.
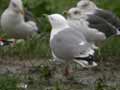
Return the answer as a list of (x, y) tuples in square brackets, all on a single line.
[(46, 75)]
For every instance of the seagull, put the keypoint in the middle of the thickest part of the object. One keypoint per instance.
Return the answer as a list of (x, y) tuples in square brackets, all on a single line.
[(4, 42), (14, 24), (96, 29), (89, 7), (68, 44), (76, 20)]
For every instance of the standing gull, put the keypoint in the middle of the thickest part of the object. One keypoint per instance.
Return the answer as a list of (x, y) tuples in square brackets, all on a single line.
[(69, 44), (89, 7), (93, 21), (96, 28), (76, 20), (13, 23)]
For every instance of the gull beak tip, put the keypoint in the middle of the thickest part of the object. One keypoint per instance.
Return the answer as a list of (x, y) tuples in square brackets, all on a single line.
[(22, 12)]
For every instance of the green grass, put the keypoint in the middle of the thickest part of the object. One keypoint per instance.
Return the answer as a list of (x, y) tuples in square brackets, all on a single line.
[(35, 48), (101, 85), (111, 47), (112, 5), (11, 82), (39, 48), (8, 82)]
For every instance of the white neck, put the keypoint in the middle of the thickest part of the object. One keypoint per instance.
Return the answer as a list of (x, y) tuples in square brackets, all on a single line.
[(19, 5), (15, 17), (56, 31), (60, 26), (118, 32)]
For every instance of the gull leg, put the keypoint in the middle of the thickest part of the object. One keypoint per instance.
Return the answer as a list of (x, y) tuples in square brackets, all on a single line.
[(66, 71)]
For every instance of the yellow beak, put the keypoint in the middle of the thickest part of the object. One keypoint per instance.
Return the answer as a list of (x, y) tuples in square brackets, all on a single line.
[(66, 14), (22, 12)]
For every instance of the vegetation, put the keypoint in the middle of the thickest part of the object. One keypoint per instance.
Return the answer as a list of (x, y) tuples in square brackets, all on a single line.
[(38, 47), (8, 82)]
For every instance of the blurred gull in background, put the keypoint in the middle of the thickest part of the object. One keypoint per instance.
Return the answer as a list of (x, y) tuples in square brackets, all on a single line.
[(96, 29), (14, 24), (76, 20), (89, 7)]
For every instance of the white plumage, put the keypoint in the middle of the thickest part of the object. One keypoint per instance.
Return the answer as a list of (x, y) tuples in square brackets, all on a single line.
[(13, 23), (88, 7), (98, 24), (77, 20), (68, 44)]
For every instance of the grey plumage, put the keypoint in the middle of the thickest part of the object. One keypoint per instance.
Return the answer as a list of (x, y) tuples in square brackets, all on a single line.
[(89, 7), (91, 34), (108, 16), (101, 24), (69, 44), (28, 16), (66, 45), (78, 20)]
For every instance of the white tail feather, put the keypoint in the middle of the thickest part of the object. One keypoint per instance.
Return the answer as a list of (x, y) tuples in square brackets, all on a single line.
[(85, 64)]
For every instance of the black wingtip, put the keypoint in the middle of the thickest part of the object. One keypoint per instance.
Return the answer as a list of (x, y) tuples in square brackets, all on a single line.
[(6, 42), (90, 59), (38, 31)]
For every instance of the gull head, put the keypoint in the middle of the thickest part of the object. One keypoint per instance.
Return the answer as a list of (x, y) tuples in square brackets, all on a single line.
[(86, 5), (16, 6), (74, 13), (57, 21)]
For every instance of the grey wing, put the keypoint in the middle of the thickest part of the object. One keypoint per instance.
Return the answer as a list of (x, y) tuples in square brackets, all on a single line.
[(28, 15), (101, 25), (108, 16), (69, 44)]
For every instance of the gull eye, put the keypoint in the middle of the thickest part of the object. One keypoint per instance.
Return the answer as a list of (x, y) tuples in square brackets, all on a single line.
[(76, 12), (14, 5)]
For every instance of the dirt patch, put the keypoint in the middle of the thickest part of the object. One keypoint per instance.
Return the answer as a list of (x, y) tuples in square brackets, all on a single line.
[(43, 70)]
